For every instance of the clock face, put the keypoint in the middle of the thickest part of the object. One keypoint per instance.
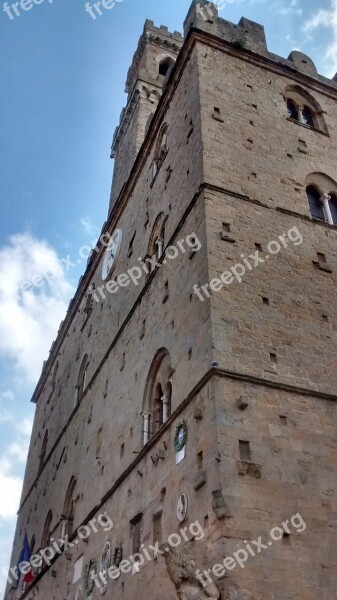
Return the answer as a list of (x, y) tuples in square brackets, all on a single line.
[(111, 254)]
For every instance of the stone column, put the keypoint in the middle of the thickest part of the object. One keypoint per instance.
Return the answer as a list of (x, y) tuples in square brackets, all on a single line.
[(165, 402), (300, 114), (326, 208), (160, 247), (146, 427)]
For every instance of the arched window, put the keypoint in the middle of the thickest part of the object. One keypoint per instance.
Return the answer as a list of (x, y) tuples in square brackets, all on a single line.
[(322, 197), (315, 203), (162, 143), (303, 108), (160, 152), (157, 396), (46, 534), (157, 237), (69, 509), (88, 305), (43, 452), (166, 66), (82, 379)]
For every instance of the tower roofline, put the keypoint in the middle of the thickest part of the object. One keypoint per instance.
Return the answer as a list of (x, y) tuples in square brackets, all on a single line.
[(247, 35)]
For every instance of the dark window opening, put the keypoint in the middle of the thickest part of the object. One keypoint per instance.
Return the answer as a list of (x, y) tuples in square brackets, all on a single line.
[(321, 257), (292, 110), (315, 204), (163, 68), (136, 532), (244, 448), (308, 118), (157, 528)]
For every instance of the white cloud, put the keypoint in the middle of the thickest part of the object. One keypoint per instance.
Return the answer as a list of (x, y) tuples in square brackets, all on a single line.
[(11, 484), (30, 316), (291, 9), (19, 450), (326, 18), (5, 416), (11, 461), (7, 395), (89, 227), (29, 320), (25, 426)]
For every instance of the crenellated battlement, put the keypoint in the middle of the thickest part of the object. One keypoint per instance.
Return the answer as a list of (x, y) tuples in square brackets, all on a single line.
[(144, 86), (145, 83), (246, 35), (159, 36), (162, 30)]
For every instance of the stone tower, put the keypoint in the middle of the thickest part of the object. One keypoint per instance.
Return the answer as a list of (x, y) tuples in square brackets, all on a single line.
[(190, 395), (151, 65)]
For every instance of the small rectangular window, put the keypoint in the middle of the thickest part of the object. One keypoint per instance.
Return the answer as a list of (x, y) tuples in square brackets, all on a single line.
[(244, 448), (157, 527), (136, 532), (321, 257)]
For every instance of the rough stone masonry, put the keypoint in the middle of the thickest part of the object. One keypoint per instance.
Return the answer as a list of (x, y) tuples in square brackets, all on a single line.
[(160, 410)]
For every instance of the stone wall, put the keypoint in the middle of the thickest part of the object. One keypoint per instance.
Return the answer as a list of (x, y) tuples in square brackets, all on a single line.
[(234, 175)]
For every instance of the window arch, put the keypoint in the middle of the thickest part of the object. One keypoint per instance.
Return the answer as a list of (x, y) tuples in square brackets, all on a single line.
[(165, 66), (160, 152), (157, 237), (43, 452), (303, 108), (88, 305), (322, 197), (82, 379), (46, 534), (69, 509), (157, 395)]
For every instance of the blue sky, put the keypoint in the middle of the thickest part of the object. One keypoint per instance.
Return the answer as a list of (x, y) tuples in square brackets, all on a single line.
[(62, 81)]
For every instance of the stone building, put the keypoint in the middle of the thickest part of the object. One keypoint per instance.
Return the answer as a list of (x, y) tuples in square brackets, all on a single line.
[(197, 392)]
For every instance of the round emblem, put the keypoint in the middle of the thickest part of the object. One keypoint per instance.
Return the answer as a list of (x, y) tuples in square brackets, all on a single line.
[(180, 437), (182, 507)]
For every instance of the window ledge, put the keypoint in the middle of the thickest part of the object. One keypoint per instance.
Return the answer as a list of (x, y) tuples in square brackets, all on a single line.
[(308, 126), (323, 222)]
